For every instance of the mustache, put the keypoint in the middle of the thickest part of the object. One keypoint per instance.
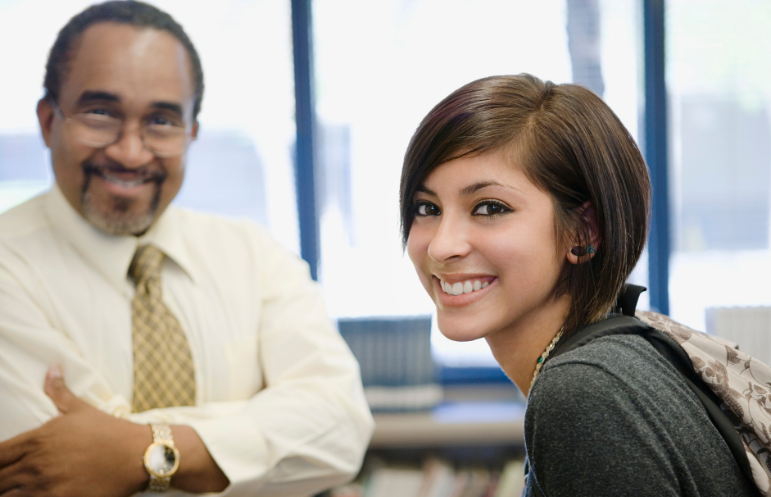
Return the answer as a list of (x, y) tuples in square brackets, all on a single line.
[(146, 173)]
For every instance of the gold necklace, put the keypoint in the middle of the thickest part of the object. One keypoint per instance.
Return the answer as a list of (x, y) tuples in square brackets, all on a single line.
[(545, 354)]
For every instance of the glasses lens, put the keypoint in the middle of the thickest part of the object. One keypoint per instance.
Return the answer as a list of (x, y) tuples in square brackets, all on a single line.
[(166, 140), (164, 137), (95, 130)]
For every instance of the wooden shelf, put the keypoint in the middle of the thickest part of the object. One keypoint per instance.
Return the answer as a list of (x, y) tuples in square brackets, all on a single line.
[(452, 425)]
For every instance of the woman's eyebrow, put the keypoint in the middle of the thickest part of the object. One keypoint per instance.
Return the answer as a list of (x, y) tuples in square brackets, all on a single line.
[(478, 186), (423, 189)]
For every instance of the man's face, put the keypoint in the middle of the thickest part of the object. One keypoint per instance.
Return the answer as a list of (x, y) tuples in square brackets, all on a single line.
[(139, 76)]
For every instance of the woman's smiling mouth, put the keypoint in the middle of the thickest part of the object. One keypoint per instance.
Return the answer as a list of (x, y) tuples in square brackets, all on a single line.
[(467, 286), (462, 291)]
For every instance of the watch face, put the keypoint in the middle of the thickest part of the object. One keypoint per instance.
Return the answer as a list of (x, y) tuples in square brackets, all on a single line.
[(162, 459)]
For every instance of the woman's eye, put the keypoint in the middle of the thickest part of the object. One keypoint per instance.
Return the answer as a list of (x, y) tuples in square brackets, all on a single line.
[(490, 209), (427, 209)]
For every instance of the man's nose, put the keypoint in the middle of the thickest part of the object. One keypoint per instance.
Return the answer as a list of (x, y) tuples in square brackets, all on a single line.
[(129, 149), (451, 241)]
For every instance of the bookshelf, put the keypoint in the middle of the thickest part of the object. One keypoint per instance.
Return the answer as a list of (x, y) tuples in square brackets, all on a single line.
[(453, 424), (470, 445)]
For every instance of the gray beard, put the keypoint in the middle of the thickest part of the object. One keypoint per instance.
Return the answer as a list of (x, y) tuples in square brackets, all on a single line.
[(118, 218)]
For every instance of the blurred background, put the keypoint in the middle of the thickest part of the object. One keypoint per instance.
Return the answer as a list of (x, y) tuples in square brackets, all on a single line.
[(322, 96), (377, 67)]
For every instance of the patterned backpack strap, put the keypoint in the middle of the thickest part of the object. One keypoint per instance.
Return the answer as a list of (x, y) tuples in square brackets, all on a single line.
[(741, 382)]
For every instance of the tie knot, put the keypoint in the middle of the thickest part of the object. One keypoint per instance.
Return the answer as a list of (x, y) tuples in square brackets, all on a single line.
[(146, 264)]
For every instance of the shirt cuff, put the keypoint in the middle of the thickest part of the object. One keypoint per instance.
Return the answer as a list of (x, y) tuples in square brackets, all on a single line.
[(238, 448)]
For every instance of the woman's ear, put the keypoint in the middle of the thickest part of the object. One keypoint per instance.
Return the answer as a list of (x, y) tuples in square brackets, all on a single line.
[(587, 240)]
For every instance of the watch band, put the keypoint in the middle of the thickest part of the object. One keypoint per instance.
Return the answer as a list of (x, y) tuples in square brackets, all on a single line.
[(161, 437)]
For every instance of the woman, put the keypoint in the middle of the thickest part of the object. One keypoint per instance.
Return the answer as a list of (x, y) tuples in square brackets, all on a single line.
[(524, 208)]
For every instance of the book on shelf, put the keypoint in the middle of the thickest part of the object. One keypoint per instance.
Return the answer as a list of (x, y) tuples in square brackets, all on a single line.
[(512, 479), (436, 478), (394, 354), (391, 482)]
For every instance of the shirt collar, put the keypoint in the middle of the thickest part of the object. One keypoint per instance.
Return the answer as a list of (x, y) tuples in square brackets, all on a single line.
[(112, 254), (167, 234)]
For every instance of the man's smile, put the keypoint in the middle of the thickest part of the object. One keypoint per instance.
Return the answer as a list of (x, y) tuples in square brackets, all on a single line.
[(120, 199), (120, 180)]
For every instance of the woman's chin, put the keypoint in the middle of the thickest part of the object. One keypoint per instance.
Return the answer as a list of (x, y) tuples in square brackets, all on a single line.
[(459, 332)]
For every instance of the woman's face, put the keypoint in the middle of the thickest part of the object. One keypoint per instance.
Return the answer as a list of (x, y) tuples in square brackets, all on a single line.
[(483, 243)]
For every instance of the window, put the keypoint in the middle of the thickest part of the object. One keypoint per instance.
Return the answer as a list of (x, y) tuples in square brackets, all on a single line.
[(24, 165), (719, 89), (247, 117), (380, 67)]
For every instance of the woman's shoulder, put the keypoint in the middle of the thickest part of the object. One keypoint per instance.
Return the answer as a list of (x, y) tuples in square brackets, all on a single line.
[(617, 359), (612, 374), (617, 405), (604, 373), (609, 352)]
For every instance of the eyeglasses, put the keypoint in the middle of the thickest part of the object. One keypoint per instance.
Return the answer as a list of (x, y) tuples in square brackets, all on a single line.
[(164, 134)]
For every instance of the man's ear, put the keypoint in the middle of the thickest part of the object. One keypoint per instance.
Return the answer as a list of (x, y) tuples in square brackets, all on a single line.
[(582, 249), (45, 116), (194, 131)]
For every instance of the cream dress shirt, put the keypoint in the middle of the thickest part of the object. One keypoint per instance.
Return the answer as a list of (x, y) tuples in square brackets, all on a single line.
[(279, 402)]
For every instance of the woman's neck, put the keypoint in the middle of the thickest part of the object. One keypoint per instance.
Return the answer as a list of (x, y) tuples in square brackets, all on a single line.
[(518, 348)]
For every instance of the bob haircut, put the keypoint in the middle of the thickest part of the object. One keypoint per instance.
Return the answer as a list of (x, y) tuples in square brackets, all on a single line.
[(570, 145)]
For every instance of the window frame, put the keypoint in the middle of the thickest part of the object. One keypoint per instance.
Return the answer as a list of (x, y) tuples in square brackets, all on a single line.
[(655, 150)]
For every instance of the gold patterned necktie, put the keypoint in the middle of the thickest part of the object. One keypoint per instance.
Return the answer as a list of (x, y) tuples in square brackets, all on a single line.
[(163, 365)]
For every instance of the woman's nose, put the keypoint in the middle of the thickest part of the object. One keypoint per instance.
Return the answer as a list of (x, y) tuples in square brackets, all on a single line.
[(450, 242)]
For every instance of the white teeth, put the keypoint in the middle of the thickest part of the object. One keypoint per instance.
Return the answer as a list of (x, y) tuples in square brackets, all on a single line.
[(124, 183), (460, 288)]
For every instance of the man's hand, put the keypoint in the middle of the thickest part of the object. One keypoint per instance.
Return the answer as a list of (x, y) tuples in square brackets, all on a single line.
[(82, 451)]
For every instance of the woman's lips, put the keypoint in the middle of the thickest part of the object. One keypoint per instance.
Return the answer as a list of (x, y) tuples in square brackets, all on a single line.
[(463, 291)]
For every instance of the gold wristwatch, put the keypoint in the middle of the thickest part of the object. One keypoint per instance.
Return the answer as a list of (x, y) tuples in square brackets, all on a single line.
[(161, 458)]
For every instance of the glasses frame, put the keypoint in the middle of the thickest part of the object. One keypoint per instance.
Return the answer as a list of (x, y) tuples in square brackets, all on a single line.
[(160, 154)]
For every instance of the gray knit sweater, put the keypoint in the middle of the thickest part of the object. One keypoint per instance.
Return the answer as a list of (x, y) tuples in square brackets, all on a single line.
[(614, 418)]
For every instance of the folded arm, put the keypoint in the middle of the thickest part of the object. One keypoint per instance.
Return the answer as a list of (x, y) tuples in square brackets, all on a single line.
[(305, 431)]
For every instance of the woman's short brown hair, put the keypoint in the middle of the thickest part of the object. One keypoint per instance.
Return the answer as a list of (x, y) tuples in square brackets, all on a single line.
[(572, 146)]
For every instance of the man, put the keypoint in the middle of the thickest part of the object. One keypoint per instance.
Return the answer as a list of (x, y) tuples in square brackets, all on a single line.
[(117, 310)]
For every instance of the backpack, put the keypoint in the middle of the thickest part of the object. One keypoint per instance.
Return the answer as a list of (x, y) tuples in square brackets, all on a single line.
[(734, 387)]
